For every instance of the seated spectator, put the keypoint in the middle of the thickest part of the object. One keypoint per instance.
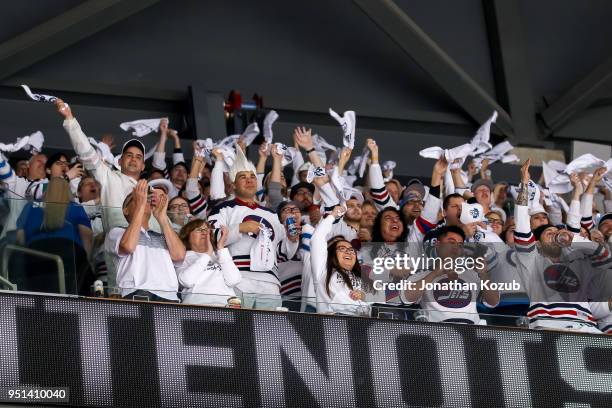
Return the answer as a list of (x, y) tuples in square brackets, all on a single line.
[(59, 227), (144, 258), (207, 278)]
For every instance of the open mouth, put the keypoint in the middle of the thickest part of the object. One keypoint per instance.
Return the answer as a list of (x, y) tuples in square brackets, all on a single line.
[(395, 228), (348, 258)]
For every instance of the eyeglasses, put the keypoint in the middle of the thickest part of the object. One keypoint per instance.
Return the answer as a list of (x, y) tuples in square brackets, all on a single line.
[(61, 162), (346, 250), (201, 229), (495, 221)]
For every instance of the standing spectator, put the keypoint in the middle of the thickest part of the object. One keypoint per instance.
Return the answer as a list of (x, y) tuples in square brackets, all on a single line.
[(246, 220), (453, 304), (336, 272), (144, 258)]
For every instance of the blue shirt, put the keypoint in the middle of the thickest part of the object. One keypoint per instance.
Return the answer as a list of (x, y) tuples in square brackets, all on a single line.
[(31, 221)]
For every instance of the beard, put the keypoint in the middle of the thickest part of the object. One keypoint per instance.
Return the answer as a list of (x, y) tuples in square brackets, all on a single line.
[(551, 250)]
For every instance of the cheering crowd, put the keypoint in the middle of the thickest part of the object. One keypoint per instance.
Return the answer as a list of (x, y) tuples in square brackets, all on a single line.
[(222, 231)]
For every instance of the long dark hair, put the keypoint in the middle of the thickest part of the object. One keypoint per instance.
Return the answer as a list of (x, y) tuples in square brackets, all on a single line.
[(377, 228), (333, 265)]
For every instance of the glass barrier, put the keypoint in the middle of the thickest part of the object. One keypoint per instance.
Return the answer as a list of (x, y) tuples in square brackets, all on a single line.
[(59, 248)]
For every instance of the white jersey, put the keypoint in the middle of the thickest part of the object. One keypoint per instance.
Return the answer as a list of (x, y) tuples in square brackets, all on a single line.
[(557, 291), (234, 212), (447, 300)]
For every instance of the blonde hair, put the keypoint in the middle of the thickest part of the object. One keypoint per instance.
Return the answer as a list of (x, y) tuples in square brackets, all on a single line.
[(57, 199)]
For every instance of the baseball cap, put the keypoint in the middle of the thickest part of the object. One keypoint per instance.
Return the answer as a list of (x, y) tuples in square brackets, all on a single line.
[(162, 183), (301, 184), (481, 182), (135, 143), (536, 209), (415, 185), (411, 195), (605, 217)]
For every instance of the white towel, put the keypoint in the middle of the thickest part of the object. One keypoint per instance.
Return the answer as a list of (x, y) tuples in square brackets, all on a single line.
[(267, 125), (250, 133), (32, 143), (39, 97), (347, 122), (142, 127)]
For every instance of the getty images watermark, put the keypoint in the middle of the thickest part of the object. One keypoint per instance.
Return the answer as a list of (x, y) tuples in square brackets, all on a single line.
[(459, 265)]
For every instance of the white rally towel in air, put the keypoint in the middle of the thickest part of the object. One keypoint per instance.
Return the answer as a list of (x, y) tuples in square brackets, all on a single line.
[(555, 178), (39, 97), (142, 127), (250, 133), (585, 163), (497, 153), (455, 156), (205, 148), (104, 151), (347, 122), (387, 167), (363, 161), (32, 143), (354, 166), (267, 125), (321, 144), (288, 153), (480, 142)]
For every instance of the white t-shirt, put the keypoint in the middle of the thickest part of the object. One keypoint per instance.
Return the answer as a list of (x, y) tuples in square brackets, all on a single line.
[(148, 268)]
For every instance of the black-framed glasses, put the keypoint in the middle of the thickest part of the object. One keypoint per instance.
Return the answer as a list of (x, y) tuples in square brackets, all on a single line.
[(346, 250)]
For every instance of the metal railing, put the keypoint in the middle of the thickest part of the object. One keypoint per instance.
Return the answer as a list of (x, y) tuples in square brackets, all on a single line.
[(61, 278)]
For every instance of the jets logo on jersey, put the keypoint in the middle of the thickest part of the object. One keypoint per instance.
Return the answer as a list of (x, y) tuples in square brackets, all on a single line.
[(479, 236), (561, 278), (474, 213), (452, 298), (259, 219)]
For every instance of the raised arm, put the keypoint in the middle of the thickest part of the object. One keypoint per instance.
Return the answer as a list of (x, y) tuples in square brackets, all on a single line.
[(197, 203), (159, 157), (174, 243), (84, 150), (177, 153), (131, 236), (381, 197)]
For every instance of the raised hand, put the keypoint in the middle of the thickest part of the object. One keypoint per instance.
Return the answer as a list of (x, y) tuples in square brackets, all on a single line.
[(223, 234), (63, 109), (371, 143), (598, 175), (218, 154), (264, 150), (160, 210), (108, 140), (75, 171), (163, 127), (277, 154), (303, 137), (525, 176), (140, 194), (338, 211), (440, 166), (577, 184)]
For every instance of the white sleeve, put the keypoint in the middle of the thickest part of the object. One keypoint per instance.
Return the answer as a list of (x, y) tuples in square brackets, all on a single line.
[(378, 190), (318, 250), (159, 160), (231, 274), (112, 241), (84, 150), (573, 216), (329, 197), (178, 157), (217, 185)]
